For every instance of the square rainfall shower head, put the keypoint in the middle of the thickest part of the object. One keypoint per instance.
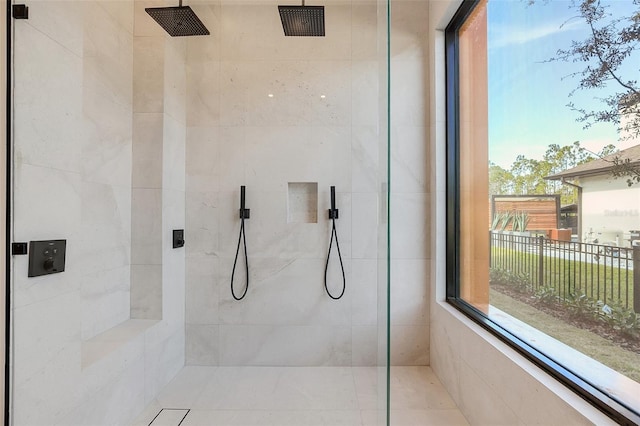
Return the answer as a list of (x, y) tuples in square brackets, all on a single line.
[(178, 21), (302, 20)]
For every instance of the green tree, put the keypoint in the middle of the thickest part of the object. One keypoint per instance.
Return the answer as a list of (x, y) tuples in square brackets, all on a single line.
[(526, 176), (607, 53)]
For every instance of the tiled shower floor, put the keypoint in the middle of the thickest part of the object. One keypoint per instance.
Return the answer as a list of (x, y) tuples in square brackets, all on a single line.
[(299, 396)]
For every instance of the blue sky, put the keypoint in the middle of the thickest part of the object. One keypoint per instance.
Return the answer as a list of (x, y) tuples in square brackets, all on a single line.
[(527, 96)]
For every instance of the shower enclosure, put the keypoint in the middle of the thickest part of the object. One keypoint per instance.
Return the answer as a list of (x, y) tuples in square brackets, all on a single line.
[(122, 134)]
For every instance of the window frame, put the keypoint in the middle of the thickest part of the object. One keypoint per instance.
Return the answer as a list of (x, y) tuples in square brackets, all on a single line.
[(616, 410)]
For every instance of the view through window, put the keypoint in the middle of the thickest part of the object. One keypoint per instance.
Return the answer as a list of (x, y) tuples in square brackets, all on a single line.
[(547, 152)]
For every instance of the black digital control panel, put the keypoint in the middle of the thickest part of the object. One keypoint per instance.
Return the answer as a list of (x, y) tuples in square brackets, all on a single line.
[(46, 257)]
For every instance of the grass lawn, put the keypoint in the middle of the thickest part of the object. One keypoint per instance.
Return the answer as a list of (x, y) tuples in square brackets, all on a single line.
[(598, 348)]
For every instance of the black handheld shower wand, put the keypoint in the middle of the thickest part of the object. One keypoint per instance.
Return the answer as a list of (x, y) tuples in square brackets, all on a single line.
[(333, 215), (244, 214)]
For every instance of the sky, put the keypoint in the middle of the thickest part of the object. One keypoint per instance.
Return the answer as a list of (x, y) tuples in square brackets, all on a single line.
[(528, 96)]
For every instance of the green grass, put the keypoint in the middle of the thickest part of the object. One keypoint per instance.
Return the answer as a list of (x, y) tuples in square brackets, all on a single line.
[(609, 283), (590, 344)]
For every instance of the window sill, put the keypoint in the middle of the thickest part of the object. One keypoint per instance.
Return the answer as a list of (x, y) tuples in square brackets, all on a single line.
[(610, 381)]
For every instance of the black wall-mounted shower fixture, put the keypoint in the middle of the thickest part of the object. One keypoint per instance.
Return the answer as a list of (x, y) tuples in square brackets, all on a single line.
[(333, 212), (20, 11), (178, 21), (178, 238), (244, 214), (46, 257), (301, 21), (333, 215)]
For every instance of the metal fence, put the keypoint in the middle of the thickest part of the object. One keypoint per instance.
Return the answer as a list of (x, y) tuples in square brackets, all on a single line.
[(601, 272)]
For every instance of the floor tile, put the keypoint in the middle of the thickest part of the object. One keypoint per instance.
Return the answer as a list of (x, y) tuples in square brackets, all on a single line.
[(272, 418), (305, 396)]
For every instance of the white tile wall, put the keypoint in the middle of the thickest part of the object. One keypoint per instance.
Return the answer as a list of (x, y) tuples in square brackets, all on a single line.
[(74, 121), (265, 110)]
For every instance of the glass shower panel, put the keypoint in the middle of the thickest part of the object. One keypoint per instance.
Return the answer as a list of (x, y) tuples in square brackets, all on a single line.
[(123, 135)]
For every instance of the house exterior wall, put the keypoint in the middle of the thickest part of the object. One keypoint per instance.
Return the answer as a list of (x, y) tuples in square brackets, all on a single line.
[(610, 209)]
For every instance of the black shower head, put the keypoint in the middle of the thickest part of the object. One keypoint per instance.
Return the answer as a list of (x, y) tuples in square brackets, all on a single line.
[(302, 20), (178, 21)]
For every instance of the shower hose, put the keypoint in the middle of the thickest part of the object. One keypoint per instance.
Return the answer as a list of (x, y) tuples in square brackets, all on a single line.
[(241, 238), (334, 234)]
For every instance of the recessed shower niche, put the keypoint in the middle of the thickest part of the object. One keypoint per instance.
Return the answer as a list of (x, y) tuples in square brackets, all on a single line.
[(302, 202)]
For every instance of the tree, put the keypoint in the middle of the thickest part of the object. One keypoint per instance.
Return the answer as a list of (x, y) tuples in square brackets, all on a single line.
[(612, 43), (526, 176)]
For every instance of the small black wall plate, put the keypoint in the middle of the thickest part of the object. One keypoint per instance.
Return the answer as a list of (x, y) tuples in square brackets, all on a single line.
[(178, 238), (20, 11), (46, 257), (18, 249)]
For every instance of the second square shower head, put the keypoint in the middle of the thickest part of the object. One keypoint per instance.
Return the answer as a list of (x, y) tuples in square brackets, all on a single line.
[(302, 21)]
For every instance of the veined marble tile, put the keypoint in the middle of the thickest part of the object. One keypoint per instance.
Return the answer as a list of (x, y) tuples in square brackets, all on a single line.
[(365, 93), (186, 386), (144, 25), (148, 150), (285, 292), (202, 290), (163, 361), (204, 88), (410, 221), (410, 159), (269, 388), (203, 159), (410, 35), (484, 407), (121, 11), (364, 159), (330, 84), (206, 48), (202, 344), (105, 226), (47, 102), (148, 70), (60, 21), (418, 388), (63, 206), (410, 345), (365, 225), (306, 345), (364, 347), (175, 79), (173, 154), (364, 291), (146, 291), (409, 95), (410, 292), (105, 300), (117, 402), (364, 31), (273, 418), (202, 230), (146, 227)]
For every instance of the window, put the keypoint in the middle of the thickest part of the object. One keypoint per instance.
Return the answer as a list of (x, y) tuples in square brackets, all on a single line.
[(543, 222)]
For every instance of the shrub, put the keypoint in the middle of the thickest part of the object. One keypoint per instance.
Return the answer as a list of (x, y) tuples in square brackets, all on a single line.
[(580, 305), (546, 294), (520, 281), (622, 319)]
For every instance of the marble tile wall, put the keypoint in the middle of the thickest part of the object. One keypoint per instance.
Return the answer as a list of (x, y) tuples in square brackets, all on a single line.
[(410, 185), (73, 179), (264, 110)]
